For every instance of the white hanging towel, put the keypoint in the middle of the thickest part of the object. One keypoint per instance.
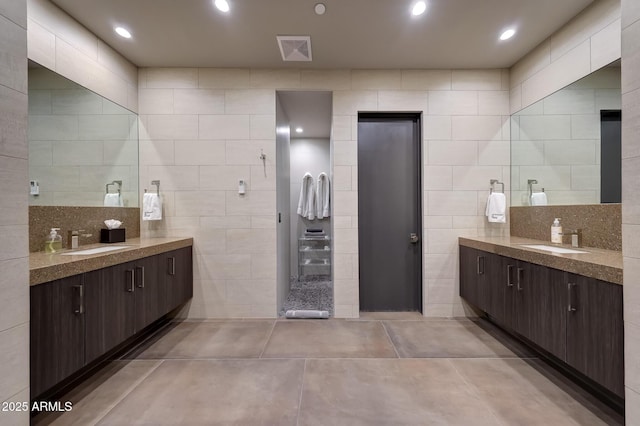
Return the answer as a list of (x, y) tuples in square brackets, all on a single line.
[(496, 207), (539, 199), (113, 200), (322, 196), (307, 200), (151, 207)]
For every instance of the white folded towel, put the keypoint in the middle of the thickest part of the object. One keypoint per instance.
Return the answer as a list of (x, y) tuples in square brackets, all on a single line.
[(151, 207), (496, 207), (113, 200), (322, 196), (539, 199)]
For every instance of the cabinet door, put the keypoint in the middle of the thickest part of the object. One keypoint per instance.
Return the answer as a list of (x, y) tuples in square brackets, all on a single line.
[(595, 331), (469, 272), (494, 286), (110, 309), (57, 332), (510, 268), (547, 306), (177, 277), (149, 293)]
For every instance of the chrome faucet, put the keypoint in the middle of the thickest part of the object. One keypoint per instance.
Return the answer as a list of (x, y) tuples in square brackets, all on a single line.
[(576, 236), (73, 238)]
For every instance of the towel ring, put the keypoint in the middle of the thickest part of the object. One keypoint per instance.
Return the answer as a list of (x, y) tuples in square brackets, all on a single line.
[(493, 182), (115, 182), (157, 184)]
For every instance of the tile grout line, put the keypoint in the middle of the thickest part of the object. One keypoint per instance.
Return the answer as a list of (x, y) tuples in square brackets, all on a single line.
[(124, 395), (390, 340), (264, 348), (475, 391), (304, 372)]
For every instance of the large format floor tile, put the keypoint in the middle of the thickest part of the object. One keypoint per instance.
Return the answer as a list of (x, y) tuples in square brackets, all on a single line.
[(216, 339), (444, 339), (329, 339), (389, 392), (520, 394), (214, 392), (97, 395)]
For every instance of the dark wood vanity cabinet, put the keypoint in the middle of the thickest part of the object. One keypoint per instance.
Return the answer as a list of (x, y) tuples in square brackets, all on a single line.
[(178, 271), (576, 319), (57, 330), (76, 320), (595, 331)]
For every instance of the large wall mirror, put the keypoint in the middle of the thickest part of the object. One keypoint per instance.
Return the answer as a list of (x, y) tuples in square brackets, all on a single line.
[(83, 148), (567, 145)]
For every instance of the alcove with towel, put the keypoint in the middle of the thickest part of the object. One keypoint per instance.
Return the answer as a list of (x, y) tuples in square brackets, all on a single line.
[(304, 162)]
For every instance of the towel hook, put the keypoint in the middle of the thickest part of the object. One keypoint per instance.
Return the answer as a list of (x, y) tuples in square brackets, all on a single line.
[(157, 184), (263, 156)]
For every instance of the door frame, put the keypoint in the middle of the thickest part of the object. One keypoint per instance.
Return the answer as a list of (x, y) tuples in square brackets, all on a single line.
[(417, 116)]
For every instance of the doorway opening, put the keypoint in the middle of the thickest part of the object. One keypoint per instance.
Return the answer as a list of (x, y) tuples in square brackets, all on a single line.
[(304, 198), (390, 211)]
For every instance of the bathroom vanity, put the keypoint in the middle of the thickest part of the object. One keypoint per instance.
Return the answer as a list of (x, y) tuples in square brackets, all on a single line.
[(566, 306), (84, 308)]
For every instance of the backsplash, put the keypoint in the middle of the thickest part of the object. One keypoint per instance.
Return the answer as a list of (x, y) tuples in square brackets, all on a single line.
[(91, 219), (601, 224)]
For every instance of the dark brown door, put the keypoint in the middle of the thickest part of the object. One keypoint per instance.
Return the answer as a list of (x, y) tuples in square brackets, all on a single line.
[(595, 331), (547, 306), (389, 212), (110, 309), (469, 273), (176, 276), (149, 297), (57, 331)]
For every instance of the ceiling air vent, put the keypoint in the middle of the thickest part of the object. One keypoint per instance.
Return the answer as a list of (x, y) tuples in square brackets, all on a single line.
[(295, 48)]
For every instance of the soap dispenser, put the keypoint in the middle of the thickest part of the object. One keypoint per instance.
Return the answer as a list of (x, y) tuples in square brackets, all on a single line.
[(556, 231), (54, 241)]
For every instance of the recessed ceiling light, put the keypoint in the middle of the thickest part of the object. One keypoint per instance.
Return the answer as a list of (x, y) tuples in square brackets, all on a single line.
[(299, 130), (418, 8), (506, 35), (222, 5), (122, 32), (320, 9)]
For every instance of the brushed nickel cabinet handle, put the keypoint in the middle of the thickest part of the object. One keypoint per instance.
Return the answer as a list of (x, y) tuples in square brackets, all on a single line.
[(141, 282), (131, 282), (172, 266), (570, 306), (480, 265), (520, 273), (80, 308), (509, 275)]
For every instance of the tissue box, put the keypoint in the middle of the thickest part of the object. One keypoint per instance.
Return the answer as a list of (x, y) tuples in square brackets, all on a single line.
[(112, 235)]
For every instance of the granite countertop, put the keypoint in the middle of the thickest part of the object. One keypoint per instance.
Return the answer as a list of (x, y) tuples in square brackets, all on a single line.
[(45, 267), (605, 265)]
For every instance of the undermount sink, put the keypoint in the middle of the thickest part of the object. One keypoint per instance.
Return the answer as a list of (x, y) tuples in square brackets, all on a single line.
[(95, 250), (552, 249)]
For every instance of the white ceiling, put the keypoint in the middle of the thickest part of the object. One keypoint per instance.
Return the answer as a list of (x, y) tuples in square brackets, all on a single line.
[(352, 33)]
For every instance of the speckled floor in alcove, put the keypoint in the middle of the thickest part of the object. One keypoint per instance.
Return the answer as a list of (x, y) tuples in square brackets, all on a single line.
[(316, 295)]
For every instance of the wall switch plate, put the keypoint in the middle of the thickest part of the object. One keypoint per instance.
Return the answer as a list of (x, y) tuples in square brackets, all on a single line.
[(242, 187), (34, 187)]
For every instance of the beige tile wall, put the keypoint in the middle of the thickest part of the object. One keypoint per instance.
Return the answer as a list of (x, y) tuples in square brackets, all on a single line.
[(14, 274), (588, 42), (199, 153), (60, 43), (631, 202)]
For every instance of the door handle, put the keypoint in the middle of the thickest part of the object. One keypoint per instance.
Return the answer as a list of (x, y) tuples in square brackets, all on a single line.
[(131, 282), (570, 306), (480, 265), (172, 265), (80, 309), (509, 275), (413, 238), (141, 281), (520, 271)]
